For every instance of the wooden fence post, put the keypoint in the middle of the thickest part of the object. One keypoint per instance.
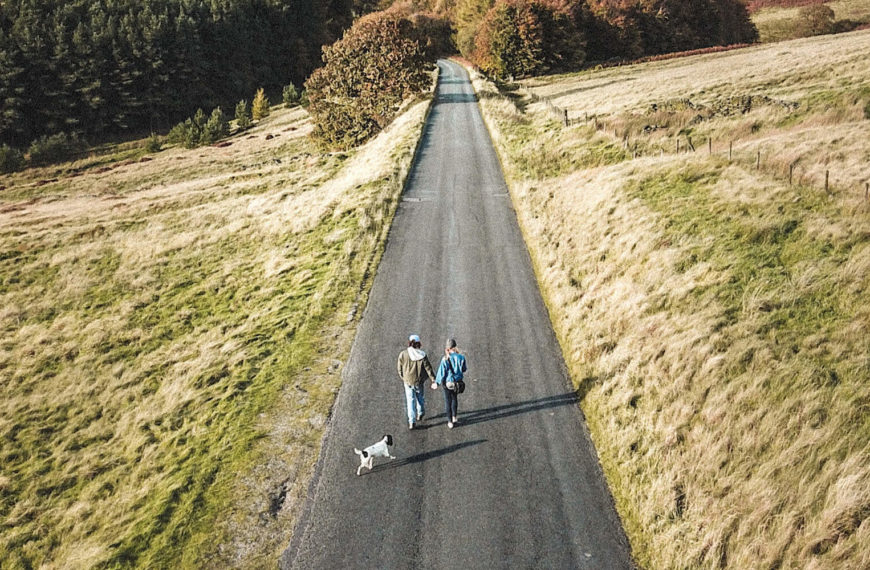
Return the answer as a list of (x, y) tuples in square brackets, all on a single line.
[(758, 161), (678, 146), (790, 172), (867, 190), (730, 148), (827, 174), (710, 145), (566, 117)]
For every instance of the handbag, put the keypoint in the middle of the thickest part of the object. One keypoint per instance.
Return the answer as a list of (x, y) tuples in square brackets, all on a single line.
[(459, 386)]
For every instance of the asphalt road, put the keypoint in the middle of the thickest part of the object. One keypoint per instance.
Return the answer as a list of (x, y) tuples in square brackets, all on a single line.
[(517, 483)]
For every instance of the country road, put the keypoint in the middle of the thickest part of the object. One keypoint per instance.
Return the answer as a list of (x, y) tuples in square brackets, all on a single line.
[(517, 483)]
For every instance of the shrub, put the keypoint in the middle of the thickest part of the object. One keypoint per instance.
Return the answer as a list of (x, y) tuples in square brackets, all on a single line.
[(291, 95), (366, 76), (11, 159), (153, 143), (816, 20), (260, 107), (243, 115), (200, 131), (55, 148), (303, 98)]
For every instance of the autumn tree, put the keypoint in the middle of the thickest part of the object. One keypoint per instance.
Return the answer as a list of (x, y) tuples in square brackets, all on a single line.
[(260, 107), (367, 75), (524, 37)]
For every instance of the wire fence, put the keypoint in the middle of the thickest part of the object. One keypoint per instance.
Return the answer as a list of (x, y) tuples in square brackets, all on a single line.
[(685, 144)]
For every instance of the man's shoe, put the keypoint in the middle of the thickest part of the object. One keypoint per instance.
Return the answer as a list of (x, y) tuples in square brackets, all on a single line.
[(410, 425)]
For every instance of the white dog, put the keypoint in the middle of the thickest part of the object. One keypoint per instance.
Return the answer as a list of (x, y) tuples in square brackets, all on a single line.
[(379, 449)]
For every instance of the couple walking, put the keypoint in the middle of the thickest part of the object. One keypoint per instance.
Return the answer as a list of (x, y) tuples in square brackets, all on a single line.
[(414, 368)]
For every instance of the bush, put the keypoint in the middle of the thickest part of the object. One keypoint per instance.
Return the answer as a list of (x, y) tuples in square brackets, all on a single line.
[(55, 148), (303, 98), (260, 107), (816, 20), (153, 143), (243, 115), (365, 78), (291, 95), (200, 131), (11, 159)]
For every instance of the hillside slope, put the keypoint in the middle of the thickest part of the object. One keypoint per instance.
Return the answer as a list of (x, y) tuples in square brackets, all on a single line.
[(712, 301), (171, 327)]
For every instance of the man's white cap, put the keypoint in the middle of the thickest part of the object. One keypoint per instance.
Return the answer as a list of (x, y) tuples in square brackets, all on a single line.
[(414, 338)]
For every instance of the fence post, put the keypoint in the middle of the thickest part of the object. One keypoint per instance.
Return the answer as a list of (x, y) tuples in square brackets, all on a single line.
[(867, 190), (827, 174), (790, 172), (710, 145), (730, 148), (678, 146), (758, 161), (566, 117)]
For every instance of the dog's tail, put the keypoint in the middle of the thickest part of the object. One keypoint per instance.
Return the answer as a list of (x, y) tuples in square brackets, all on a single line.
[(360, 453)]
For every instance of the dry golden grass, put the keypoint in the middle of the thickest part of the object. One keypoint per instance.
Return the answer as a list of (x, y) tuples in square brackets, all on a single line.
[(714, 318), (171, 331)]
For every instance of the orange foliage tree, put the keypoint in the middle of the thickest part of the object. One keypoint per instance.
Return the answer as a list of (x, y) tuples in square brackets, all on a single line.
[(381, 60), (525, 37)]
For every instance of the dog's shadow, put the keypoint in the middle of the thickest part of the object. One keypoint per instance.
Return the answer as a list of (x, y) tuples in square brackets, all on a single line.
[(425, 456)]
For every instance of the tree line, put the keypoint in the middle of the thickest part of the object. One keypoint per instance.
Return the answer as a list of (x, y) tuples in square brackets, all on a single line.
[(525, 37), (98, 67)]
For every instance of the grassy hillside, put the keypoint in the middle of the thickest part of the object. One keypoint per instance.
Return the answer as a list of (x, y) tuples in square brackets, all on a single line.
[(783, 22), (171, 331), (715, 318)]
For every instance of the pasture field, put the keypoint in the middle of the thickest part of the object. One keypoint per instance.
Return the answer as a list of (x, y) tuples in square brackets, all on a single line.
[(778, 23), (172, 330), (713, 313)]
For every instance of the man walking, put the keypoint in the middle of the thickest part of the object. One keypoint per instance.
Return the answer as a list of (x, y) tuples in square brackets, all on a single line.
[(414, 367)]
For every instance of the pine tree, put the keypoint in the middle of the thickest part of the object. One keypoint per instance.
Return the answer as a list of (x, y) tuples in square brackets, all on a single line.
[(243, 115), (291, 95)]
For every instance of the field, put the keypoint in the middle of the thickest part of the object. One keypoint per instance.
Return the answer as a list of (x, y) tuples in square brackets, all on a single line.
[(172, 327), (781, 21), (710, 293)]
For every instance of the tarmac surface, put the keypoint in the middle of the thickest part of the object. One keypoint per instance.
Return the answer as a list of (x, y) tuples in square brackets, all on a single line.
[(517, 483)]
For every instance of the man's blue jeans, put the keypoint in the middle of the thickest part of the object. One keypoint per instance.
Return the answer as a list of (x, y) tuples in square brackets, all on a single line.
[(414, 402)]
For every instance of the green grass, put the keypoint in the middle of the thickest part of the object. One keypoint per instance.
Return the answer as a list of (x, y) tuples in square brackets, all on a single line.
[(151, 330)]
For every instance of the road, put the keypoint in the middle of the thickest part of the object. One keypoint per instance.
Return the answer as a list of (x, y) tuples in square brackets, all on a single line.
[(517, 483)]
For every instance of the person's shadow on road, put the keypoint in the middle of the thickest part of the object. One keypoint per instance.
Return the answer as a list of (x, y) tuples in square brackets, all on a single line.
[(515, 408)]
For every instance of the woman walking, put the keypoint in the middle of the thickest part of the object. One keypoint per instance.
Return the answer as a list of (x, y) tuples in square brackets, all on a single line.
[(449, 375)]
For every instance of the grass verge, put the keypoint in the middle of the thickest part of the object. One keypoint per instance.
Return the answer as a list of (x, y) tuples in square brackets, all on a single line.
[(713, 316), (172, 331)]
